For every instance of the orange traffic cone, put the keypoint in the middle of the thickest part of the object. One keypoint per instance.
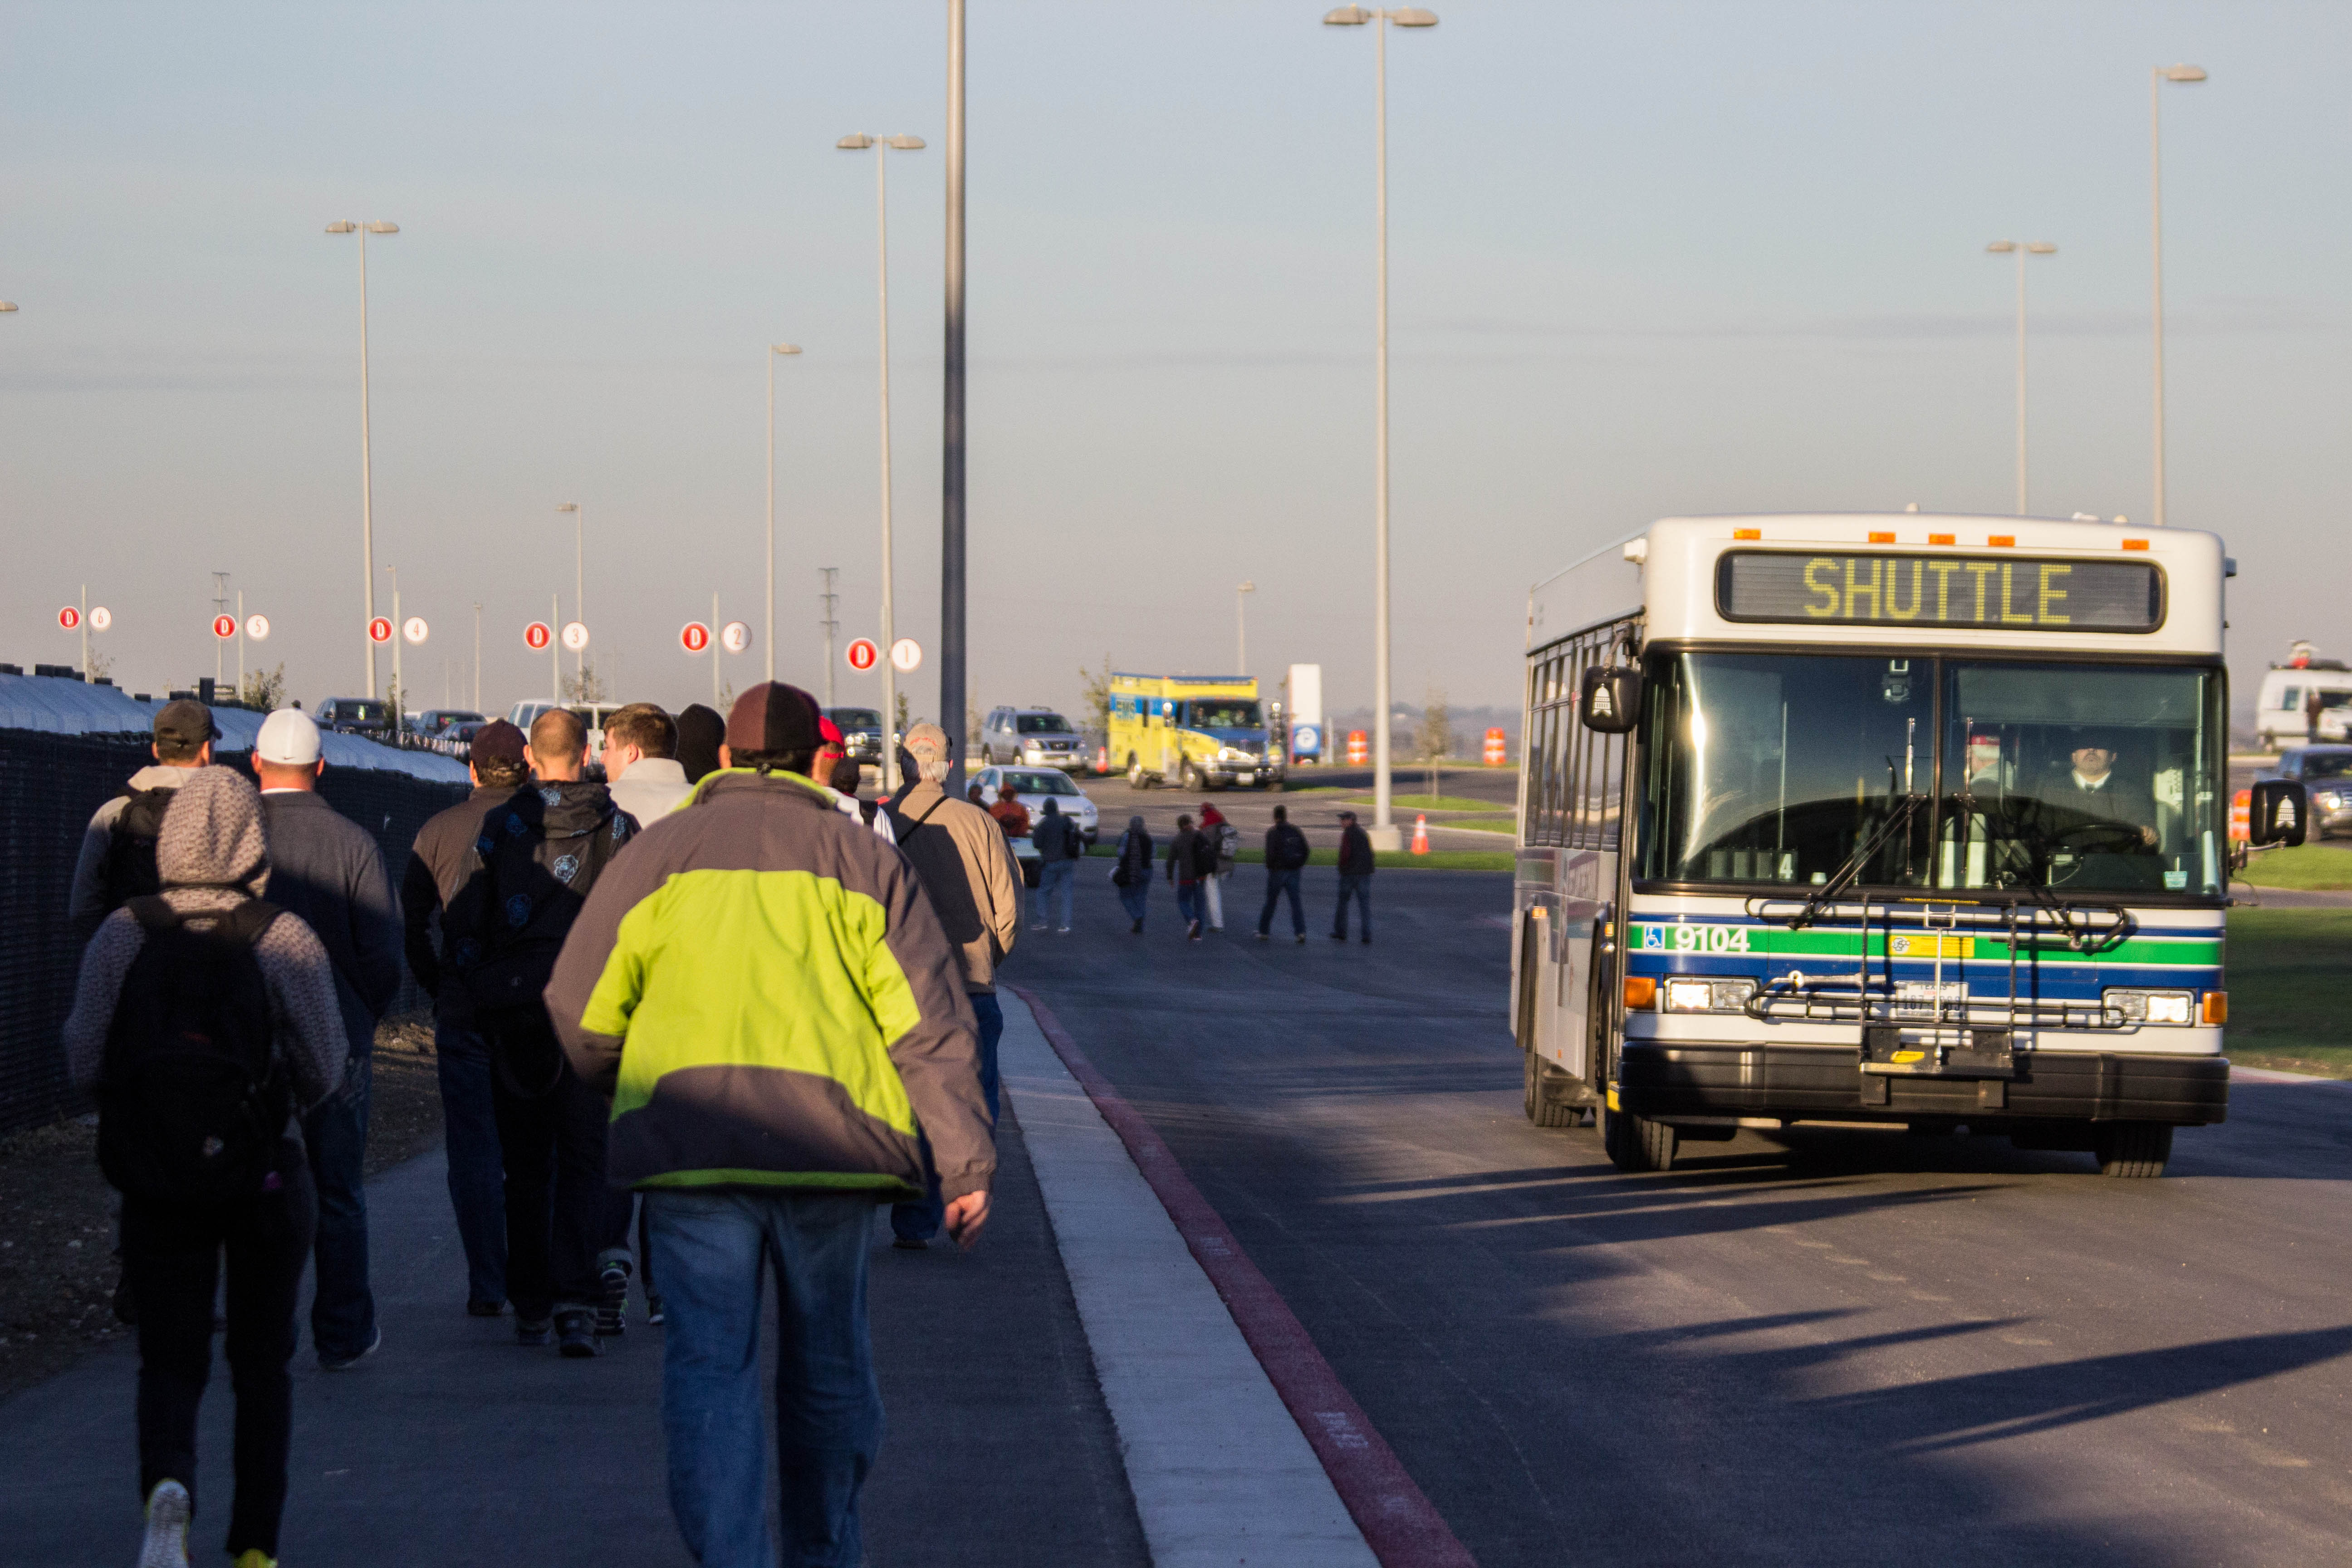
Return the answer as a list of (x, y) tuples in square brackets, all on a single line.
[(1421, 835)]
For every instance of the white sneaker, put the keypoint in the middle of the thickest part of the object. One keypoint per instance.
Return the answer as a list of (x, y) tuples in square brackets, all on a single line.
[(166, 1545)]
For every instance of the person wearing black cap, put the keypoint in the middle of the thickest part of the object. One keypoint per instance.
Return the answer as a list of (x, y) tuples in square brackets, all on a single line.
[(768, 995), (440, 868), (700, 733), (116, 862)]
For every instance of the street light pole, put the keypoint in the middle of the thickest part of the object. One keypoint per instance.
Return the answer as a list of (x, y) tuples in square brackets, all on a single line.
[(831, 625), (367, 474), (1384, 834), (882, 147), (2031, 247), (952, 666), (579, 586), (1241, 626), (774, 351), (2156, 78), (477, 657), (399, 691), (220, 602)]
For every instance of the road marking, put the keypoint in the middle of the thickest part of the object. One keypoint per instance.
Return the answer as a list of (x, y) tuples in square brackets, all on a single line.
[(1224, 1408)]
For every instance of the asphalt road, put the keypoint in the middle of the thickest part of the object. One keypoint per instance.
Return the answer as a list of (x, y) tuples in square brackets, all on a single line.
[(1865, 1348)]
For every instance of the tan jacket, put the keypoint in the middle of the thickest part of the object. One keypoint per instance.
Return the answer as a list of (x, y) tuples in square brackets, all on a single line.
[(976, 889)]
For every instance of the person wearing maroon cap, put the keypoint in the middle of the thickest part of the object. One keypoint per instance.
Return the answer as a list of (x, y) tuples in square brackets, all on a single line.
[(770, 998), (441, 864)]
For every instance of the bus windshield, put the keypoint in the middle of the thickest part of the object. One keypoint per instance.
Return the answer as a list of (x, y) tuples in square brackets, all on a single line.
[(1225, 713), (1781, 768)]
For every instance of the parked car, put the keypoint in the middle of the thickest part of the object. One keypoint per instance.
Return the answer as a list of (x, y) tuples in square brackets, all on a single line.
[(458, 740), (355, 716), (861, 733), (2325, 773), (1032, 787), (1038, 736), (433, 721), (592, 714)]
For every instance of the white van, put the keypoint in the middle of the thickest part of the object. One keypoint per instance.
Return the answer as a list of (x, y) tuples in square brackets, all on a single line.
[(592, 714), (2282, 709)]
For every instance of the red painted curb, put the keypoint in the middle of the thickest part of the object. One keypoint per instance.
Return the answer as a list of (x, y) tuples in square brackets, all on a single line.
[(1399, 1524)]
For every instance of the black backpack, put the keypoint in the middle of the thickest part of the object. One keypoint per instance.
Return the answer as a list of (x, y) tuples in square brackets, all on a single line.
[(130, 846), (1073, 839), (1204, 854), (192, 1099), (530, 889)]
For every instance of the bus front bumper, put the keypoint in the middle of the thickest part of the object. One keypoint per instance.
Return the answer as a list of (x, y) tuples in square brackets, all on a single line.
[(1809, 1083)]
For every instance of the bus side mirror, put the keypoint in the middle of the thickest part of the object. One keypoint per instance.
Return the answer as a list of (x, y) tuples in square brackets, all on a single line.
[(1611, 700), (2277, 812)]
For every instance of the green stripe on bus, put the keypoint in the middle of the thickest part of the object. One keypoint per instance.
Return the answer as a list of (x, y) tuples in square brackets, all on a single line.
[(2188, 950)]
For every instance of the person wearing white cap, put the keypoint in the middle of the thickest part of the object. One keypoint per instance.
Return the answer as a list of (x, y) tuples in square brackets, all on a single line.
[(327, 868)]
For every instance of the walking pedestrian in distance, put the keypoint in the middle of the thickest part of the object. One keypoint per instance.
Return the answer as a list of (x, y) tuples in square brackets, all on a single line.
[(1060, 842), (700, 733), (1356, 870), (209, 1162), (326, 868), (1184, 857), (1226, 838), (1286, 856), (542, 850), (834, 766), (769, 1063), (443, 866), (1132, 875), (966, 866), (116, 862), (641, 765), (1010, 813)]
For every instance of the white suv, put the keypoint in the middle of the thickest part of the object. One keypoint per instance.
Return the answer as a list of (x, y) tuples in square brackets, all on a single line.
[(1036, 736)]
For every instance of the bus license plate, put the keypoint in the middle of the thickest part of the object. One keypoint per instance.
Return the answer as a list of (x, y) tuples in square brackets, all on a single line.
[(1247, 778)]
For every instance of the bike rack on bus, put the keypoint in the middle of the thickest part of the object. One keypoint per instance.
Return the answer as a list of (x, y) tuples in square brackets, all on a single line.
[(2028, 926)]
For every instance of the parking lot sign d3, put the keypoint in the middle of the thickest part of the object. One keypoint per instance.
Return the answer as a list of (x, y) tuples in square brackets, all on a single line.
[(536, 636)]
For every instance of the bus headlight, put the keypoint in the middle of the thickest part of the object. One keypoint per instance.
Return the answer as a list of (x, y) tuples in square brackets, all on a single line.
[(1695, 996), (2137, 1006)]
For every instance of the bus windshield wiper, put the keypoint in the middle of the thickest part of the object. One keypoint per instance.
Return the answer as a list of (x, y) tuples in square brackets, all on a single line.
[(1821, 898)]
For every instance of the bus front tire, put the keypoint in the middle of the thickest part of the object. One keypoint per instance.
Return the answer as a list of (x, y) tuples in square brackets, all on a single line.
[(1636, 1144), (1188, 777), (2133, 1149), (1135, 779), (1541, 1109)]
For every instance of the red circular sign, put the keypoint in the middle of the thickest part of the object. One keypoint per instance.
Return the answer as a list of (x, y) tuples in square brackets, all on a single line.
[(224, 627), (70, 618), (863, 654), (694, 636), (380, 630), (536, 636)]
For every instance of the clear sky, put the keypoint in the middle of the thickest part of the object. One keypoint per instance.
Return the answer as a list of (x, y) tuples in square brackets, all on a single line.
[(1647, 260)]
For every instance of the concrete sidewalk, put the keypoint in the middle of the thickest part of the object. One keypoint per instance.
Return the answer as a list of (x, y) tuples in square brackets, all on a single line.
[(452, 1445)]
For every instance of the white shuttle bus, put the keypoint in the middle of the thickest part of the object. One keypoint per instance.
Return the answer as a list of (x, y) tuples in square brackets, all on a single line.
[(1898, 819)]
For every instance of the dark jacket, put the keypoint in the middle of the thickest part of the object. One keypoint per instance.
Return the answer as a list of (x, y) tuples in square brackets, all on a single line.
[(1286, 847), (440, 865), (327, 868), (1356, 852), (764, 989), (1054, 835), (1135, 857), (1179, 856)]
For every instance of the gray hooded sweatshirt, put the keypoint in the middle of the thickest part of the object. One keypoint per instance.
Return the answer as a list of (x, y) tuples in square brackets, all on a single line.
[(211, 855)]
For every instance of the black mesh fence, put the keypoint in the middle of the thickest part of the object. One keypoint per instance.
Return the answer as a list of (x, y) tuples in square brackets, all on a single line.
[(49, 786)]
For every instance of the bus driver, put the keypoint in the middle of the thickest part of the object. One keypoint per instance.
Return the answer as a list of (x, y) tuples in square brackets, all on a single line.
[(2088, 793)]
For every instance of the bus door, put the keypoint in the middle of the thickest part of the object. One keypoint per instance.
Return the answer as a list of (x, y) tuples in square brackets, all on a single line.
[(1565, 975)]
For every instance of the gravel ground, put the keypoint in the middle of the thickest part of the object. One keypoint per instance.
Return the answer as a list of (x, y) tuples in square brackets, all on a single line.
[(57, 1268)]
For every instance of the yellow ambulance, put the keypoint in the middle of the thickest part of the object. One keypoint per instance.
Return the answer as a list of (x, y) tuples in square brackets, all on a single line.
[(1194, 732)]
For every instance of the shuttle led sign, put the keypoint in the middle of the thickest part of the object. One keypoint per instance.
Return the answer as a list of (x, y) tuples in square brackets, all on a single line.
[(2023, 592)]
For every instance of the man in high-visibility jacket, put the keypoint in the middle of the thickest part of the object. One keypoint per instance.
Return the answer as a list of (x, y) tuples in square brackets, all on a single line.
[(766, 992)]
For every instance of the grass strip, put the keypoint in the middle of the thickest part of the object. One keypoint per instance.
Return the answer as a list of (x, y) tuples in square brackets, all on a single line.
[(2285, 975), (2306, 868), (1431, 803)]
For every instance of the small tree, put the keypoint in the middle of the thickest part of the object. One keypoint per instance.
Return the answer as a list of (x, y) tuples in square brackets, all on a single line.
[(1094, 688), (101, 667), (264, 693), (1434, 742), (585, 685), (904, 723)]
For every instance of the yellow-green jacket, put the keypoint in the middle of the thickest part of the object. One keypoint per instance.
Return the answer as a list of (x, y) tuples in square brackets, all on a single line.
[(763, 987)]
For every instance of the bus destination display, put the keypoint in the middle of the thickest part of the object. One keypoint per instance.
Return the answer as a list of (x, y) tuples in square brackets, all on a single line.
[(1804, 588)]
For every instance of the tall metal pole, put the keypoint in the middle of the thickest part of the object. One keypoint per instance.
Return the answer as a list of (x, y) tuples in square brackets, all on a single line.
[(2157, 77), (84, 633), (220, 603), (770, 632), (2021, 379), (367, 474), (831, 625), (477, 657), (952, 679), (240, 643), (399, 691), (889, 667), (1384, 834), (714, 655), (579, 592), (555, 647)]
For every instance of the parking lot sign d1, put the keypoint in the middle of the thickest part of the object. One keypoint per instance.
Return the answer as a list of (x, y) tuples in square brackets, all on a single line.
[(863, 655), (907, 656)]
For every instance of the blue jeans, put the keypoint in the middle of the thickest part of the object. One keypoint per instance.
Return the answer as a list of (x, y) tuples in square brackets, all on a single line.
[(1359, 888), (343, 1309), (1276, 884), (921, 1221), (1136, 898), (478, 1181), (1190, 906), (713, 1247), (1058, 883)]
